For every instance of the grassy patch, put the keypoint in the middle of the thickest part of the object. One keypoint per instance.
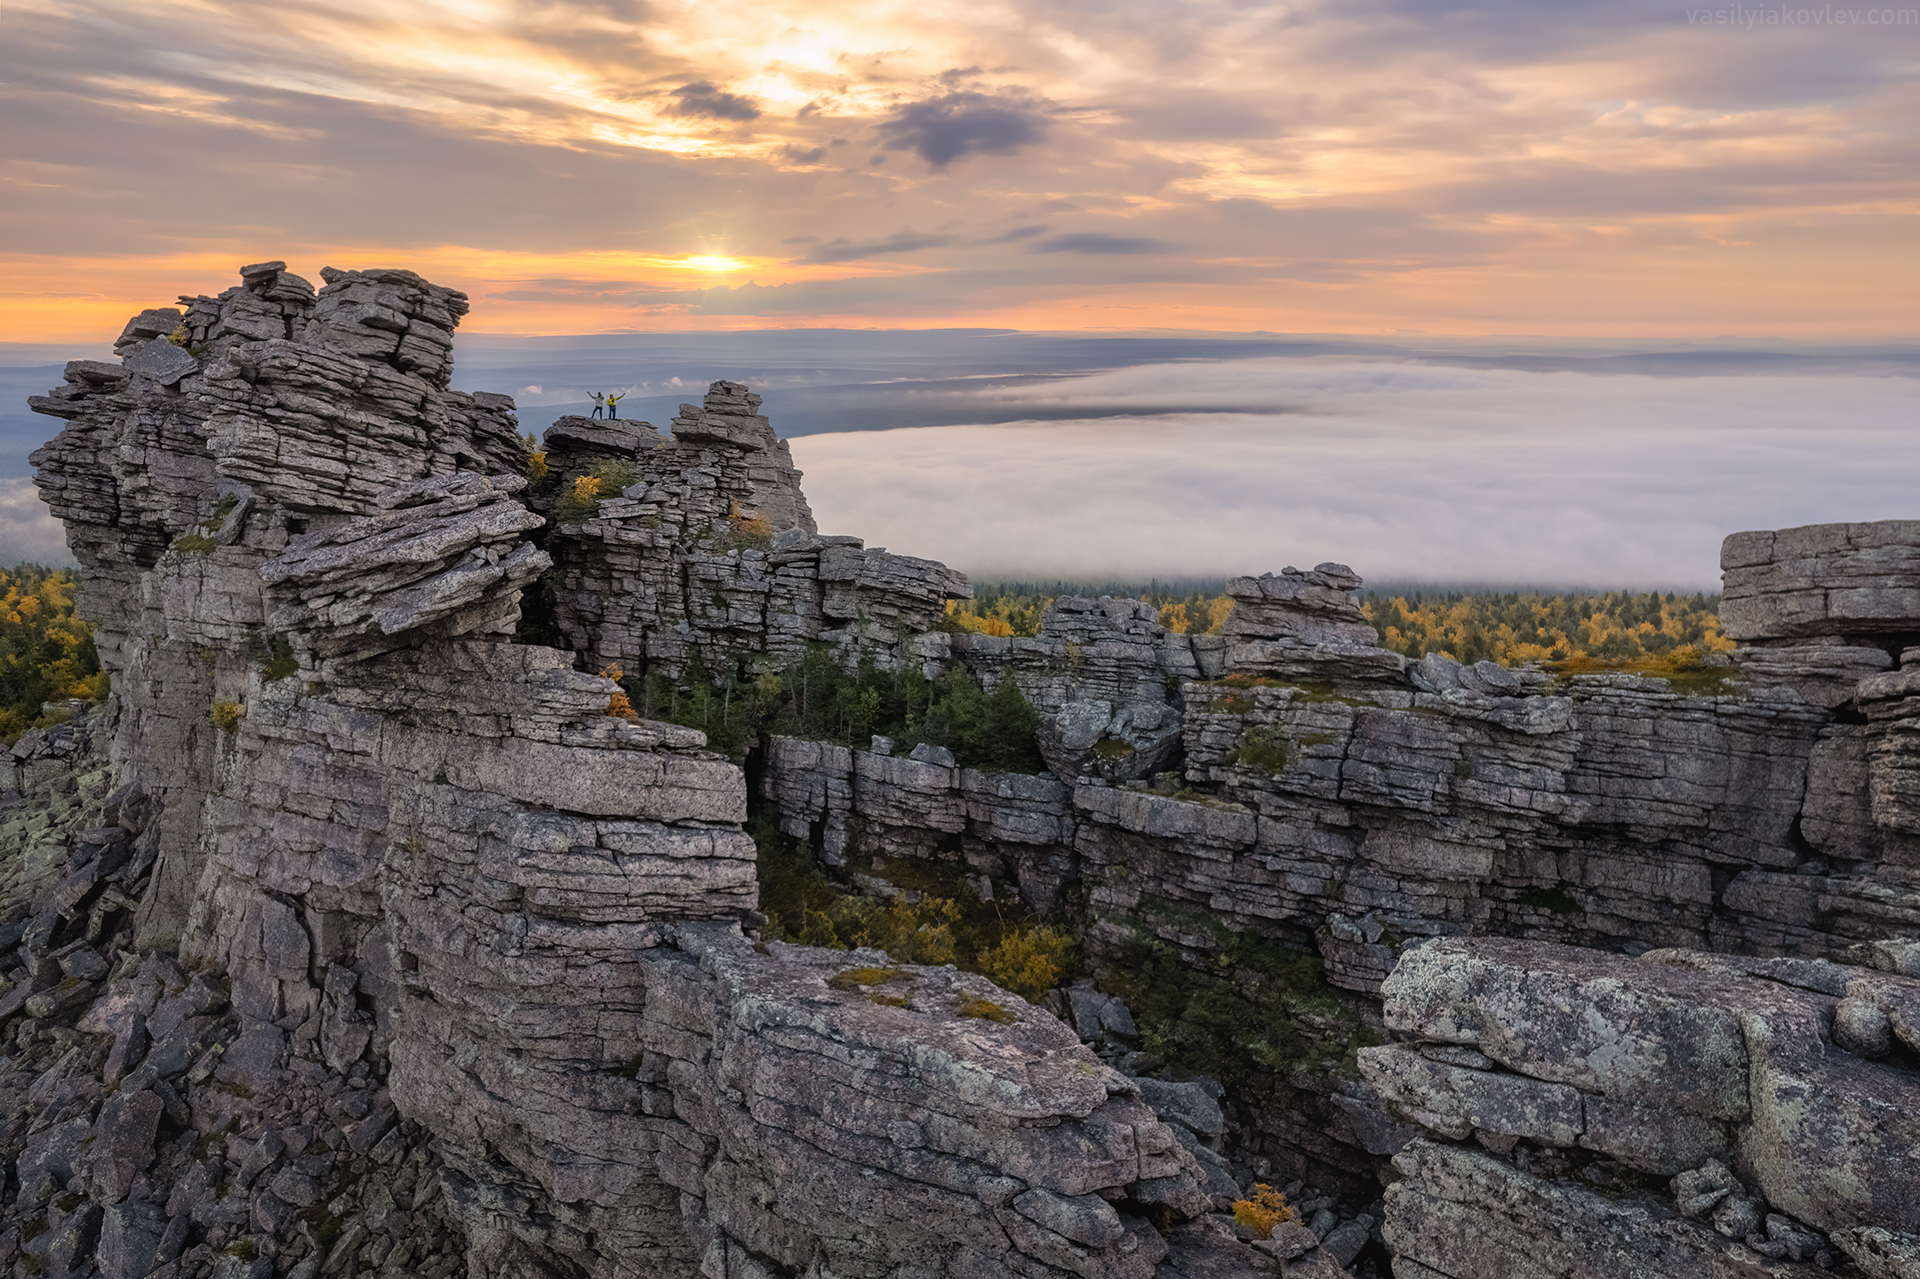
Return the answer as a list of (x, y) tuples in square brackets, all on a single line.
[(1238, 698), (1690, 670), (1112, 748), (854, 978), (986, 1010), (1264, 748), (194, 544)]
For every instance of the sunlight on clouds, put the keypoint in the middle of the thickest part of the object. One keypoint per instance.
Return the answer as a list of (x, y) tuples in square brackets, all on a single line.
[(1523, 167), (43, 302), (679, 145)]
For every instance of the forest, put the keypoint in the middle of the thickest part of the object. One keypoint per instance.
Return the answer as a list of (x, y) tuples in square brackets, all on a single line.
[(818, 698), (1593, 629), (46, 653)]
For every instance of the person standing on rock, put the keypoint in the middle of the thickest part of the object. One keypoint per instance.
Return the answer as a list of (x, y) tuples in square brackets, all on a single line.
[(613, 401), (599, 402)]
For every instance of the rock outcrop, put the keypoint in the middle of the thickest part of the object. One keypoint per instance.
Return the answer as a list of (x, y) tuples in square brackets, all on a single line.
[(1336, 799), (1701, 1098), (710, 551), (466, 977), (356, 934)]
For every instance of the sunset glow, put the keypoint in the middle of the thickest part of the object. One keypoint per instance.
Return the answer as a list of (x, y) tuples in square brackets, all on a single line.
[(1376, 167)]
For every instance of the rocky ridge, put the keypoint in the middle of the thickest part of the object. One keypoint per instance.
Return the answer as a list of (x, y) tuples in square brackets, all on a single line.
[(395, 951), (370, 927)]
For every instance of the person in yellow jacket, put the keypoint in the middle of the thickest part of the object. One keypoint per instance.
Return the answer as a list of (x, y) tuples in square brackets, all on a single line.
[(613, 399)]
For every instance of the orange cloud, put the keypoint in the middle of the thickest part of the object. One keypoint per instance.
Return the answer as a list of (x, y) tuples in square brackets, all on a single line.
[(579, 167)]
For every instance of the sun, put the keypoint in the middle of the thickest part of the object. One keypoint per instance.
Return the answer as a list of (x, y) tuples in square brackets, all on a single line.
[(711, 262)]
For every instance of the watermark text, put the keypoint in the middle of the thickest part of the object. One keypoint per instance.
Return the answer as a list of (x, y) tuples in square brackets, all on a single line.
[(1822, 16)]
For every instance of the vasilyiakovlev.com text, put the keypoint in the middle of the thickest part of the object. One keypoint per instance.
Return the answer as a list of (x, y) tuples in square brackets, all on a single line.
[(1827, 16)]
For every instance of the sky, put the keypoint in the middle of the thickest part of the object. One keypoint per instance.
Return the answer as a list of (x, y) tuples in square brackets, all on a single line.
[(1635, 168), (1500, 292)]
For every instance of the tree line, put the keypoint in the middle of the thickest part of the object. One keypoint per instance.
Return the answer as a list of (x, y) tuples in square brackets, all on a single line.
[(1510, 627)]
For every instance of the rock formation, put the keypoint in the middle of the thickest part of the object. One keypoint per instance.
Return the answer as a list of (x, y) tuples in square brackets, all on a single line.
[(357, 934), (414, 872)]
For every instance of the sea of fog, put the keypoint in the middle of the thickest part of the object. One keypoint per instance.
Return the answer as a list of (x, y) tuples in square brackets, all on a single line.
[(1045, 456)]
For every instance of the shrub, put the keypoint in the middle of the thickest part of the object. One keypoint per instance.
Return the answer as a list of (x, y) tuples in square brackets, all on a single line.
[(615, 476), (536, 459), (226, 716), (580, 503), (283, 663), (1265, 1210), (619, 706), (1028, 962), (604, 479), (754, 534), (911, 933)]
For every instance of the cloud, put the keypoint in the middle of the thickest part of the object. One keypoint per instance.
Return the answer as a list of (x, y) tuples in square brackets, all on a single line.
[(1408, 472), (1098, 242), (903, 242), (943, 129), (704, 100), (1017, 234), (1466, 167), (28, 532)]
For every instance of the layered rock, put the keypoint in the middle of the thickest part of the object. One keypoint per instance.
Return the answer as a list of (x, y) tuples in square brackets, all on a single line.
[(712, 553), (1304, 625), (420, 864), (1352, 808), (418, 569), (1754, 1085), (229, 430), (1821, 581), (388, 836), (801, 1108)]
